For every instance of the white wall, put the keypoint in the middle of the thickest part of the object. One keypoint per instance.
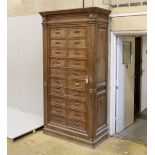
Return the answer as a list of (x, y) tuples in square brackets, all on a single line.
[(25, 63), (29, 7)]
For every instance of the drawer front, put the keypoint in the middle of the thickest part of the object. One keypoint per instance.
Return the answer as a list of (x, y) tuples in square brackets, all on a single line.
[(54, 33), (77, 84), (57, 82), (76, 115), (58, 120), (77, 32), (79, 53), (58, 52), (57, 101), (76, 104), (76, 124), (57, 72), (77, 63), (57, 110), (57, 62), (77, 74), (58, 43), (57, 91), (77, 94), (77, 43)]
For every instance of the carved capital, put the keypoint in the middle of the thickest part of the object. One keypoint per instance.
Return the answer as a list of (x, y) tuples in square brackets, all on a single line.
[(92, 16), (44, 19)]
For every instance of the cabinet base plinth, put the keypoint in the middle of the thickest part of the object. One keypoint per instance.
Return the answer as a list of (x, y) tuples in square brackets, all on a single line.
[(77, 140)]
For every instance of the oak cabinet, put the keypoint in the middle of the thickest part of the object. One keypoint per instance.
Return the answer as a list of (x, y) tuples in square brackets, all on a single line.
[(75, 74)]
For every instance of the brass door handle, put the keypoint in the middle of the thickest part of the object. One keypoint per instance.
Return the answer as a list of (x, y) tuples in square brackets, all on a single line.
[(86, 79)]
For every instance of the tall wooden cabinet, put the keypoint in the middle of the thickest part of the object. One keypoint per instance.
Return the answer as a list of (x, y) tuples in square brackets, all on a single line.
[(75, 74)]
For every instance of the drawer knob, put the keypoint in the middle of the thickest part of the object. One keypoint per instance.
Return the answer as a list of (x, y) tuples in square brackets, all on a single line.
[(76, 104), (77, 42), (57, 81), (57, 32), (77, 114), (57, 42), (77, 123), (76, 31), (57, 90), (76, 73), (77, 84), (57, 52), (58, 62), (58, 110), (76, 63), (76, 93)]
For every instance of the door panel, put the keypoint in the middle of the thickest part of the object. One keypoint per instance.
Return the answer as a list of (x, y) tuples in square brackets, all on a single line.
[(125, 86), (144, 74)]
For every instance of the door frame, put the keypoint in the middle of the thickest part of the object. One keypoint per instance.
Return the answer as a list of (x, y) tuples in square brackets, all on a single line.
[(112, 80)]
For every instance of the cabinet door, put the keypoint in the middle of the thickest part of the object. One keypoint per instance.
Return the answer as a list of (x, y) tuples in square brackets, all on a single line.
[(56, 112), (101, 81), (76, 80), (67, 77)]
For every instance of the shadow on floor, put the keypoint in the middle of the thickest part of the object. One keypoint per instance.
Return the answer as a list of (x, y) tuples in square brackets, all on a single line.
[(138, 130)]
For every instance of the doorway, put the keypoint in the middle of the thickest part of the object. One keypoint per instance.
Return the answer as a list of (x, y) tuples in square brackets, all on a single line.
[(138, 61), (130, 83)]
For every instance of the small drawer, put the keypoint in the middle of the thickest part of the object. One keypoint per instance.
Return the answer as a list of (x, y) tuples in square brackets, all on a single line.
[(76, 115), (79, 53), (57, 72), (57, 62), (76, 104), (77, 63), (57, 101), (77, 84), (77, 94), (57, 82), (58, 120), (57, 33), (58, 43), (77, 74), (57, 91), (58, 52), (57, 110), (76, 124), (77, 32), (77, 43)]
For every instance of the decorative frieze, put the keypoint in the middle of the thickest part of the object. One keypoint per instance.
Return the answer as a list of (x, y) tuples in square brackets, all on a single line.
[(127, 3)]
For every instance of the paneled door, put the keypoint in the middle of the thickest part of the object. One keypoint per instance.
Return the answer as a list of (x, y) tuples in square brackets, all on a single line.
[(144, 75), (125, 85)]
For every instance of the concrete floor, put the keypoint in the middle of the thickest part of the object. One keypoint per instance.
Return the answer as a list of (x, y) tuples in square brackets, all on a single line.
[(137, 131), (41, 144)]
